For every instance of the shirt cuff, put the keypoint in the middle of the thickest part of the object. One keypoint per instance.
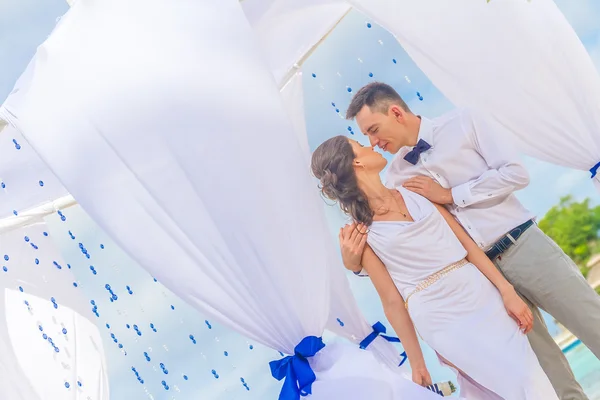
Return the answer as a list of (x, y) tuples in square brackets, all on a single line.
[(461, 195)]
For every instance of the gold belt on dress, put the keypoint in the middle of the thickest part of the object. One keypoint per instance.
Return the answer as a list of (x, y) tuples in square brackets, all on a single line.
[(433, 278)]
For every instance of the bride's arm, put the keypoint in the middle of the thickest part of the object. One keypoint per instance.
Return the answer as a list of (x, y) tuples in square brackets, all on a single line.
[(397, 315), (517, 309)]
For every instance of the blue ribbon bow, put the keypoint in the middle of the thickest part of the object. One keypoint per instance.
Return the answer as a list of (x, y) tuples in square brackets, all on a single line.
[(378, 330), (594, 170), (413, 155), (296, 370)]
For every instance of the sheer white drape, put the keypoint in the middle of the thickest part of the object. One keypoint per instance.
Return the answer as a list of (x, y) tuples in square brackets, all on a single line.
[(518, 60), (192, 165), (31, 367)]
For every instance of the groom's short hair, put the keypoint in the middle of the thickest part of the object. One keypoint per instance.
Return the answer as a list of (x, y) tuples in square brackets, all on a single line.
[(378, 97)]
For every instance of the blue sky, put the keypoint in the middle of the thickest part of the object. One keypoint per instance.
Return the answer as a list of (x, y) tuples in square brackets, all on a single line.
[(24, 24)]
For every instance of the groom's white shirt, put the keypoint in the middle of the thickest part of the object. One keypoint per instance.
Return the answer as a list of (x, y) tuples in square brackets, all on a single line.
[(468, 155)]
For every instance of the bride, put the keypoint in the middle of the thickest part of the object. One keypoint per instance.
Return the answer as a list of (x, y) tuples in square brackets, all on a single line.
[(434, 280)]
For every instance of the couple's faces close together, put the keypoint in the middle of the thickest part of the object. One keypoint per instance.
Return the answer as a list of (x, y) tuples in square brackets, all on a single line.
[(386, 131)]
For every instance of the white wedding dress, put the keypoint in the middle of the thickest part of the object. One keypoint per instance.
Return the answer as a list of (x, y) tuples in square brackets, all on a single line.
[(461, 316)]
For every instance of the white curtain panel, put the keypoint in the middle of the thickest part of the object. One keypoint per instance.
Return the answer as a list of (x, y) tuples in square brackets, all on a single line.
[(51, 347), (175, 140), (518, 60)]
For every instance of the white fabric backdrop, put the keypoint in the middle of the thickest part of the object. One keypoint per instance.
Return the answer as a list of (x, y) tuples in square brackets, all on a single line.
[(30, 369), (214, 163), (518, 60)]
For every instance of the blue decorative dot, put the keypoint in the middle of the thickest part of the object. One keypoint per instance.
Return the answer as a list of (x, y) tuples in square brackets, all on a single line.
[(370, 74), (185, 377), (79, 384), (37, 261), (26, 238), (67, 385), (15, 212), (251, 347), (369, 25), (172, 307), (225, 353), (101, 246), (92, 302), (45, 336), (2, 185), (394, 61), (75, 284), (337, 110), (45, 233), (41, 183), (333, 104), (64, 331), (208, 324), (340, 322), (128, 326), (349, 90), (20, 288), (314, 75), (4, 269), (6, 257)]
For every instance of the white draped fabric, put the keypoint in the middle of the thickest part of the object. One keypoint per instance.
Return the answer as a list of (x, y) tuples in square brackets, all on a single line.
[(30, 367), (193, 167)]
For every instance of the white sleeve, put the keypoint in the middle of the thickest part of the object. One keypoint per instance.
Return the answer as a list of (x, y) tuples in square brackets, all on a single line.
[(505, 174)]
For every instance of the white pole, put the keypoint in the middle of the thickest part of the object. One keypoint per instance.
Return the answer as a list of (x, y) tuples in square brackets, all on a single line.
[(35, 215)]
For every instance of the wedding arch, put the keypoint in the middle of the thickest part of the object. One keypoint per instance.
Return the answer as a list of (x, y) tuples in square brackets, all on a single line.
[(178, 127)]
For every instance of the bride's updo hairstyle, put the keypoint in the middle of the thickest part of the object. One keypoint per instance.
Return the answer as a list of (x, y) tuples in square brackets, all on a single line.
[(332, 163)]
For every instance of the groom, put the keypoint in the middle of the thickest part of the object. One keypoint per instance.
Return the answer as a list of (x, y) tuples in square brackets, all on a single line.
[(459, 160)]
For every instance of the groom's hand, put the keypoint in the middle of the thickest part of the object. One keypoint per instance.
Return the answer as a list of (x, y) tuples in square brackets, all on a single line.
[(352, 243), (430, 189)]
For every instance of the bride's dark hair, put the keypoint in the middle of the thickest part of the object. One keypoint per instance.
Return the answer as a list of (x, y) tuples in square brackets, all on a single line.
[(332, 164)]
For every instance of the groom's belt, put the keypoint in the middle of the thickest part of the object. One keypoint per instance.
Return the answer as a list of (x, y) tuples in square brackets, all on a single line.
[(508, 240)]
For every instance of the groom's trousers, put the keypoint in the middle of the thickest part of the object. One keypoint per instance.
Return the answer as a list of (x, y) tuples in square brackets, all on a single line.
[(547, 278)]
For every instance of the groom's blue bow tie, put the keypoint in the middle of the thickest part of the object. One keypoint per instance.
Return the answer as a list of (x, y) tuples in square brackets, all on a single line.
[(413, 155)]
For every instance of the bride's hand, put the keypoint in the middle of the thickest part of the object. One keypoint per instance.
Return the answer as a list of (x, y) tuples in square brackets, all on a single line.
[(421, 376), (518, 310)]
